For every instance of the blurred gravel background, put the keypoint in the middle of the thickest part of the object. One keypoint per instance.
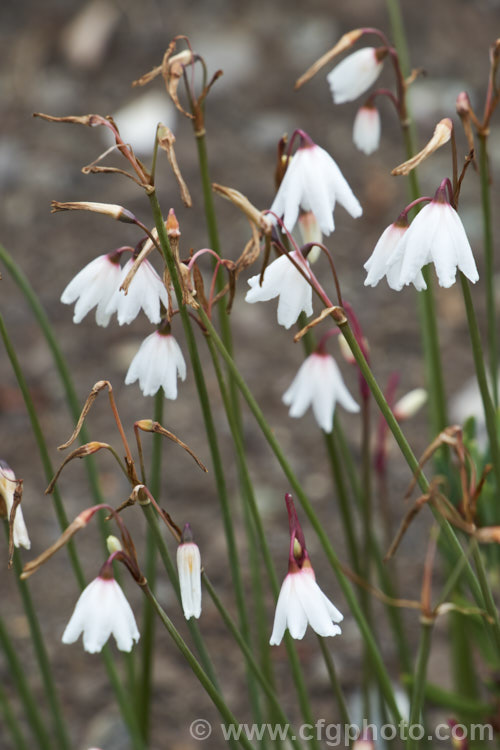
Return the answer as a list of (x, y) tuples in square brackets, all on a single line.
[(69, 57)]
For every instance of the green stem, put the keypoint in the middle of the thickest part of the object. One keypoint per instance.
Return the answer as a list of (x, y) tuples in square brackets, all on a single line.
[(399, 35), (462, 658), (345, 505), (425, 299), (477, 351), (206, 410), (372, 648), (249, 497), (260, 624), (166, 559), (42, 657), (127, 709), (486, 591), (411, 460), (367, 536), (335, 683), (384, 574), (484, 176), (418, 688), (17, 672), (267, 688), (217, 463), (42, 447), (201, 675), (11, 722), (456, 704), (62, 369), (347, 459), (367, 486), (125, 705), (148, 615), (432, 355), (213, 235)]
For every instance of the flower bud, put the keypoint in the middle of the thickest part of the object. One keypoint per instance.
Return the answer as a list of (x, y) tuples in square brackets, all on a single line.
[(364, 741), (458, 735), (310, 232), (410, 404), (463, 104), (189, 568), (109, 209), (345, 350), (172, 225), (366, 129), (113, 544)]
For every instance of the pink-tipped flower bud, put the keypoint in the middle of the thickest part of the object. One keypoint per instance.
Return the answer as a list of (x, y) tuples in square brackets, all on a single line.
[(364, 741), (345, 350), (113, 544), (189, 568), (458, 735), (310, 232), (463, 104), (410, 404)]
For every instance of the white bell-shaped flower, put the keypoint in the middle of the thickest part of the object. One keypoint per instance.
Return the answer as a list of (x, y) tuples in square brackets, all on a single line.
[(366, 129), (356, 73), (436, 235), (102, 610), (313, 182), (301, 603), (94, 286), (283, 280), (378, 264), (146, 291), (319, 384), (158, 363)]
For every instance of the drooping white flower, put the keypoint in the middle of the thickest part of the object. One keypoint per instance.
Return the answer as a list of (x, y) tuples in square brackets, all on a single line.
[(313, 182), (383, 262), (7, 489), (319, 384), (366, 129), (356, 73), (157, 364), (94, 286), (189, 568), (301, 602), (146, 291), (435, 235), (283, 280), (102, 610)]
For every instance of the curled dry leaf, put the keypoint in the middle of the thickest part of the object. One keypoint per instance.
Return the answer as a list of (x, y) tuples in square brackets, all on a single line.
[(344, 43), (441, 135), (166, 140), (172, 70), (261, 220)]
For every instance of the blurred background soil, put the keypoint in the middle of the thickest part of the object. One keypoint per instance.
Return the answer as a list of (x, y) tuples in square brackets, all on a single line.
[(66, 57)]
